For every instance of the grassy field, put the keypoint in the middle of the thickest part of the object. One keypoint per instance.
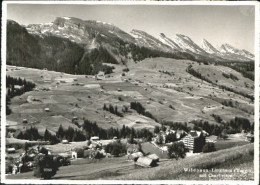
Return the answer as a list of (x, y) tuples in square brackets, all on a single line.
[(88, 169), (175, 169), (232, 141), (190, 97), (244, 164)]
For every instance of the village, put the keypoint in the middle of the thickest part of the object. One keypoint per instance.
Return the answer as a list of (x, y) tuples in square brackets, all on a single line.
[(140, 153)]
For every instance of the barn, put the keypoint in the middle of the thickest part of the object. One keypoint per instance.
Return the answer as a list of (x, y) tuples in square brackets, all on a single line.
[(145, 162)]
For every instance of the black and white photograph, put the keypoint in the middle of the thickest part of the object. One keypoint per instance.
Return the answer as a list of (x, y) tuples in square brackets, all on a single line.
[(115, 91)]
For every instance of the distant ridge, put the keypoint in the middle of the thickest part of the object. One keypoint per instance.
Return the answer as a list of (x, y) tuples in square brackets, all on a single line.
[(73, 45)]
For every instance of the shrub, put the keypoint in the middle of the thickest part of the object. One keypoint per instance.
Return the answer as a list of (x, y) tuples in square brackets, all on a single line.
[(45, 166), (125, 69), (115, 148), (223, 134), (177, 150), (80, 153), (97, 155), (171, 107), (170, 138), (208, 147), (159, 140), (156, 129)]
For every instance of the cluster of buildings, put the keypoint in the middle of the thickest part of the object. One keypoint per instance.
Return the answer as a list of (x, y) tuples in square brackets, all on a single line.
[(134, 154), (193, 140), (24, 162), (94, 150)]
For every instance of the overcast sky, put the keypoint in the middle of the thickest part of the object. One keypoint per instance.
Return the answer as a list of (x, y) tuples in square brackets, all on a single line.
[(217, 24)]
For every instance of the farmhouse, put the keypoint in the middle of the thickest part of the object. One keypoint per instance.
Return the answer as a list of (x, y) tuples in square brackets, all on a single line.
[(74, 118), (194, 141), (47, 109), (65, 141), (145, 162), (25, 121), (10, 150), (94, 138), (137, 121), (18, 87)]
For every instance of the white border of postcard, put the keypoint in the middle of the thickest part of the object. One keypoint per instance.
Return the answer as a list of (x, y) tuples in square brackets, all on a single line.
[(212, 3)]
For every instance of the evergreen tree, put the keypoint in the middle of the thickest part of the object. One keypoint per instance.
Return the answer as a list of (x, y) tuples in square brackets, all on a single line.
[(60, 132), (208, 147), (156, 129), (123, 131), (177, 150), (46, 135), (45, 166)]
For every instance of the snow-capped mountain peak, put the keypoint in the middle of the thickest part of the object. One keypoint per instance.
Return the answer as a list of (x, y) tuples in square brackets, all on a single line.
[(206, 46), (169, 42), (186, 44), (93, 33), (227, 49), (144, 39)]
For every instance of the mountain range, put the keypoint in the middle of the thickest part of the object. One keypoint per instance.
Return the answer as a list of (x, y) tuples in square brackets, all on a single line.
[(69, 42)]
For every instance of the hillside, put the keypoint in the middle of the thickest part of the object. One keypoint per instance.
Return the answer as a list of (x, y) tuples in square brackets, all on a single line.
[(173, 169), (56, 51), (163, 87)]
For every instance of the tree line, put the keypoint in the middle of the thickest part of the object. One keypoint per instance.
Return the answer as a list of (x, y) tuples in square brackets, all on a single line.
[(88, 129), (54, 53), (198, 75), (245, 68), (25, 86), (112, 109), (233, 126), (141, 110), (231, 76)]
